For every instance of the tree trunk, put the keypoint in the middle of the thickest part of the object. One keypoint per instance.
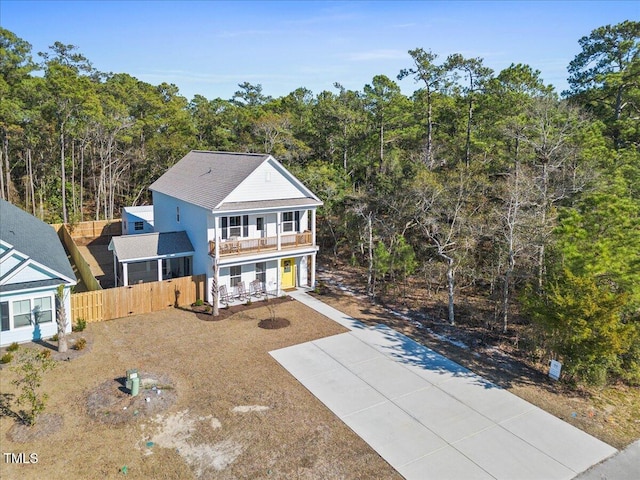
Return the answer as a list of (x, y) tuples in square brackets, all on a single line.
[(370, 279), (31, 183), (7, 169), (215, 291), (469, 120), (63, 177), (429, 131), (450, 285), (61, 320)]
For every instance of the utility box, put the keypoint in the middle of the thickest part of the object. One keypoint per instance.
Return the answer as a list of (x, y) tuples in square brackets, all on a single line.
[(133, 380)]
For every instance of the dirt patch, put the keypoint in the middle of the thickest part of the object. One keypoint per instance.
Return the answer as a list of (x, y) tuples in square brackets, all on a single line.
[(111, 402), (274, 323), (48, 424)]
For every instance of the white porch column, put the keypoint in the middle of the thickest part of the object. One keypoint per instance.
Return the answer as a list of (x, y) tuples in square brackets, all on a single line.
[(159, 269), (278, 230), (313, 226), (115, 268), (278, 262), (217, 237), (125, 274), (313, 271)]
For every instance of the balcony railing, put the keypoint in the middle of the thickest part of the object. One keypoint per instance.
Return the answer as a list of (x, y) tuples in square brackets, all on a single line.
[(265, 244)]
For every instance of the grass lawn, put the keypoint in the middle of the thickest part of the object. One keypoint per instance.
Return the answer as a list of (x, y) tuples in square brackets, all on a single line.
[(229, 411)]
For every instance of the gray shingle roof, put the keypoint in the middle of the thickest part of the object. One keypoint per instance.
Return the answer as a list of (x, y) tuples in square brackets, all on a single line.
[(34, 238), (207, 178), (150, 245)]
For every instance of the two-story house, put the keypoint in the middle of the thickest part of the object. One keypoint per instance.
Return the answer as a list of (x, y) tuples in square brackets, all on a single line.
[(244, 211)]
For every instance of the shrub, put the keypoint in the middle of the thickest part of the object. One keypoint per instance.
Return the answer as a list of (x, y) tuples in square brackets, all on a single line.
[(248, 302), (80, 325), (54, 338), (30, 369), (6, 358), (207, 308), (45, 353), (198, 303), (13, 347), (80, 344)]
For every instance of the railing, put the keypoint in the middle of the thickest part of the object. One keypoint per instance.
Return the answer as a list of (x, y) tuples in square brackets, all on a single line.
[(265, 244)]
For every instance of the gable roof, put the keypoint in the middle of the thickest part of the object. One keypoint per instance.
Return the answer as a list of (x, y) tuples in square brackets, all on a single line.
[(206, 178), (148, 246), (35, 239)]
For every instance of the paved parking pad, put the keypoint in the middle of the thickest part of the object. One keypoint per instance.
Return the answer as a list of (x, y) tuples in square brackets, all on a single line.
[(431, 418)]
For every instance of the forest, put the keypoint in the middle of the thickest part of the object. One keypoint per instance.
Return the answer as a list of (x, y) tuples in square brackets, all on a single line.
[(480, 184)]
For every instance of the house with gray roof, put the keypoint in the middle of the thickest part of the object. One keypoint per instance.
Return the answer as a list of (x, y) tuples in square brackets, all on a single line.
[(243, 213), (33, 263)]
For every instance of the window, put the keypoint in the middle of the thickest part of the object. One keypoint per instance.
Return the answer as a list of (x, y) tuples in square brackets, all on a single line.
[(42, 311), (235, 275), (137, 226), (259, 224), (21, 313), (287, 222), (4, 314), (178, 214), (235, 226), (261, 272)]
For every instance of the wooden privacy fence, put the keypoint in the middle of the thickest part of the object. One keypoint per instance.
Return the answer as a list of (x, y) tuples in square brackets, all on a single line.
[(84, 270), (136, 299)]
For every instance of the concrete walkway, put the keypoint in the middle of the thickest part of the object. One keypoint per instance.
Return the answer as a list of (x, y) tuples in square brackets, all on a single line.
[(428, 416)]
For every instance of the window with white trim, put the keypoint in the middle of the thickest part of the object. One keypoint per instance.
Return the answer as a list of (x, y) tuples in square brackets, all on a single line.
[(288, 223), (261, 272), (235, 226), (42, 310), (235, 275), (21, 313), (137, 226)]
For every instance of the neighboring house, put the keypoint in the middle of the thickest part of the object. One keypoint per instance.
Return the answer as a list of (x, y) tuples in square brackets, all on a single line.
[(136, 220), (246, 212), (33, 264)]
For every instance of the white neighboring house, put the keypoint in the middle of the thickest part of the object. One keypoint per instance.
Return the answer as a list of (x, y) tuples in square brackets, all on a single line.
[(136, 220), (33, 264), (244, 211)]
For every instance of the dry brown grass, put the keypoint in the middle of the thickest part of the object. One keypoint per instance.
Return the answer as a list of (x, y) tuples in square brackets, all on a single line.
[(215, 367)]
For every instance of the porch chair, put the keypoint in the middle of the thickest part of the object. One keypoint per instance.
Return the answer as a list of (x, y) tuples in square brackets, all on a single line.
[(241, 291), (223, 294), (256, 289)]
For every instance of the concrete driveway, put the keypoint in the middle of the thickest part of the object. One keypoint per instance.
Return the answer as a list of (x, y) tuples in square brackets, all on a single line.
[(430, 417)]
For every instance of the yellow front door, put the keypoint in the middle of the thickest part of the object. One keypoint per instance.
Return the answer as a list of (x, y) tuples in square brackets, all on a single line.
[(287, 267)]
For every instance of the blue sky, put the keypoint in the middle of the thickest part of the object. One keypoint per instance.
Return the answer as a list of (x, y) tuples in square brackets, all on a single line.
[(209, 47)]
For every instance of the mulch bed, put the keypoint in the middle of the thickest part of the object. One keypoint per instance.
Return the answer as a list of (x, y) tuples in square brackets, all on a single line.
[(274, 323), (226, 312)]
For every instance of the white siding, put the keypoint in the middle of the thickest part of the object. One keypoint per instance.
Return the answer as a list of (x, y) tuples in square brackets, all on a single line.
[(29, 274), (266, 183), (193, 220), (30, 333)]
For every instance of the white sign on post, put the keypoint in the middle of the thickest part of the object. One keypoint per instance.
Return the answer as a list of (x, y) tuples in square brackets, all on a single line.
[(554, 369)]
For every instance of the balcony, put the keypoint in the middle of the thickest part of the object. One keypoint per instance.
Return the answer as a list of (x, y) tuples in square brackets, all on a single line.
[(258, 245)]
